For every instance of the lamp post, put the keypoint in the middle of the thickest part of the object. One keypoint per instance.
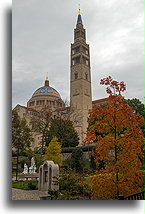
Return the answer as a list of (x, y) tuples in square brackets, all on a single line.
[(18, 150)]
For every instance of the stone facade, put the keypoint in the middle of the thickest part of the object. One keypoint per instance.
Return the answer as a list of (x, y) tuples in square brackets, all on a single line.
[(27, 114), (80, 81)]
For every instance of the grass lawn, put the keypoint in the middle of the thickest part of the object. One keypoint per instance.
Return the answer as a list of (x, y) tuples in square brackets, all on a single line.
[(26, 185)]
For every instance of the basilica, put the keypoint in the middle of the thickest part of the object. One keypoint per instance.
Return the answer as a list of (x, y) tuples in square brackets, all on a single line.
[(80, 90)]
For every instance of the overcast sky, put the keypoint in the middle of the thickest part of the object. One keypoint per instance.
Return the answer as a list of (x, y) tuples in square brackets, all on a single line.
[(42, 34)]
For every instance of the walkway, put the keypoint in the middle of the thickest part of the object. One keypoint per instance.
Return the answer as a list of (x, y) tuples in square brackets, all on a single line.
[(19, 194)]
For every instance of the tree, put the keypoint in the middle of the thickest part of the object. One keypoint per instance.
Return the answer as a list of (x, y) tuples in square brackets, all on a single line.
[(53, 151), (64, 131), (119, 141), (61, 127), (40, 123), (114, 87), (76, 159), (136, 105), (21, 136)]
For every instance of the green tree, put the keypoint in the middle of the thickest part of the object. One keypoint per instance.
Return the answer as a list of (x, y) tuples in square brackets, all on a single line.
[(64, 131), (136, 105), (53, 151), (21, 136), (76, 159)]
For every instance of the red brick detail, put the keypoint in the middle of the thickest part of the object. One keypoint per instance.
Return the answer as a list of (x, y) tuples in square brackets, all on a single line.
[(99, 100), (29, 109)]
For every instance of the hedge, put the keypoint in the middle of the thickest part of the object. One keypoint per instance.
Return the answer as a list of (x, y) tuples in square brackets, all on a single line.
[(71, 149)]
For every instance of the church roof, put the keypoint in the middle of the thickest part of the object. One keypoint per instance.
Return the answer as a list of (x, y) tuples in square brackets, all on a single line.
[(27, 108), (63, 108), (46, 91), (99, 100)]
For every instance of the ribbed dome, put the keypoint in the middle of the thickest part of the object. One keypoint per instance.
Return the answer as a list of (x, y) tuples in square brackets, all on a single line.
[(46, 91)]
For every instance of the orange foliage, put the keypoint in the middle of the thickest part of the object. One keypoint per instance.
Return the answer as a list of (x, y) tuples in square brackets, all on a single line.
[(115, 130), (114, 86)]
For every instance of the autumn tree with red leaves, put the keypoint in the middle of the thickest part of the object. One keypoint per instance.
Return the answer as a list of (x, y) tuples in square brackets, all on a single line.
[(115, 129), (114, 86)]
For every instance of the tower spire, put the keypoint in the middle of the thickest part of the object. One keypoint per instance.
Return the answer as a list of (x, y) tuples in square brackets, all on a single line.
[(80, 78), (79, 20)]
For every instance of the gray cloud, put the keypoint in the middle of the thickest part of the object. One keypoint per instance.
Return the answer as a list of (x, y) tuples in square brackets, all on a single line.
[(43, 32)]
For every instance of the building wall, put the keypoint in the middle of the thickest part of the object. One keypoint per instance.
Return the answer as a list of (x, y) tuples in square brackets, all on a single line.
[(80, 81), (78, 117), (38, 102), (27, 114)]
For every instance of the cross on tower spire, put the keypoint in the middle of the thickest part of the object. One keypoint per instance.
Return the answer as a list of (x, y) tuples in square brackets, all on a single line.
[(79, 10), (46, 76)]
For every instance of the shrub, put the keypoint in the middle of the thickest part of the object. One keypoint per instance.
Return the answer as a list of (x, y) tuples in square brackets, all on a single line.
[(84, 149), (32, 185), (69, 185), (26, 185)]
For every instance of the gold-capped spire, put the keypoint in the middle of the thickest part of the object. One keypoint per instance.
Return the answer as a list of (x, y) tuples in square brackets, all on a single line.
[(79, 13), (46, 81), (46, 76)]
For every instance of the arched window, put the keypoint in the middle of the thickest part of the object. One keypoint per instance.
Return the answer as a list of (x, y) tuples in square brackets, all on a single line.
[(86, 76), (76, 76), (77, 60)]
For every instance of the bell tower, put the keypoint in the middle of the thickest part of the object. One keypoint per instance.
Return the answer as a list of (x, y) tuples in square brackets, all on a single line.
[(80, 78)]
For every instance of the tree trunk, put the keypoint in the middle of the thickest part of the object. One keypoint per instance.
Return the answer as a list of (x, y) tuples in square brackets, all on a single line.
[(116, 158)]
